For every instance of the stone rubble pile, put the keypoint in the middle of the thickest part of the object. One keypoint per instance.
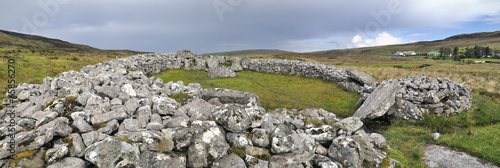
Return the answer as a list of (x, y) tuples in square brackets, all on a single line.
[(412, 97), (113, 115)]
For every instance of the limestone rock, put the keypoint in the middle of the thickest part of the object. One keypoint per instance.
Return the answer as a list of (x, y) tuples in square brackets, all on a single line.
[(221, 72), (349, 125), (379, 102), (296, 159), (230, 160), (439, 156), (109, 152), (260, 138), (69, 162), (164, 105), (232, 117), (238, 140)]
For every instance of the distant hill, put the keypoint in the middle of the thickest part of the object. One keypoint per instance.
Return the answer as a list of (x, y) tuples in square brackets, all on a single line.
[(249, 52), (24, 41), (491, 39)]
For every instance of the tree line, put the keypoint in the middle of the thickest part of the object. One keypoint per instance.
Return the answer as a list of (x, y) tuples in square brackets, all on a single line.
[(470, 52)]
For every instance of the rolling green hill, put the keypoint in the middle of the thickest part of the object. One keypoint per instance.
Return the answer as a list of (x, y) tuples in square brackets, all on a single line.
[(491, 39), (24, 41)]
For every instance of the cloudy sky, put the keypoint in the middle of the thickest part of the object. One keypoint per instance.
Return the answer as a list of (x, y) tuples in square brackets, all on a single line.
[(222, 25)]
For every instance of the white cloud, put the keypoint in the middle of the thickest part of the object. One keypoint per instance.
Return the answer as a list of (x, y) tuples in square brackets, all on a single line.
[(383, 38)]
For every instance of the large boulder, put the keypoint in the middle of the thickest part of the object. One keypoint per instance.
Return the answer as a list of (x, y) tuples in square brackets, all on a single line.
[(362, 78), (379, 102), (232, 117)]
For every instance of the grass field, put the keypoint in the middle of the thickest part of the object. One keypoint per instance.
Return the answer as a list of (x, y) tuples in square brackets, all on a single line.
[(277, 91)]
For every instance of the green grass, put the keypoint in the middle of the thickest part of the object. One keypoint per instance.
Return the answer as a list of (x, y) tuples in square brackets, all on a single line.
[(277, 91), (406, 138)]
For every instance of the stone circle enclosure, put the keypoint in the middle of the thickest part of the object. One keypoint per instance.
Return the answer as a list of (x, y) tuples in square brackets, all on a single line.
[(112, 115)]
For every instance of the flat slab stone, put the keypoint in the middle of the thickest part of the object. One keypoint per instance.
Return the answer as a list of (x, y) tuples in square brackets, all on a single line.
[(379, 102), (444, 157)]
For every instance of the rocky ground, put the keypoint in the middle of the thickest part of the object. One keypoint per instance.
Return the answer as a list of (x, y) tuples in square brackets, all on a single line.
[(112, 115), (439, 156)]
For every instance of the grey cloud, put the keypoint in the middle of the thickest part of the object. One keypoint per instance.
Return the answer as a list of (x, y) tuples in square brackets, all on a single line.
[(168, 26)]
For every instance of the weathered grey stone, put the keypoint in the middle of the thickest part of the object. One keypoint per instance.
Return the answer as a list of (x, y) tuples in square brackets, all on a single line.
[(238, 140), (69, 162), (236, 64), (155, 159), (349, 125), (221, 72), (111, 126), (177, 122), (130, 125), (112, 115), (77, 148), (379, 102), (57, 152), (127, 88), (361, 77), (253, 162), (116, 101), (212, 62), (211, 136), (324, 162), (439, 156), (322, 134), (109, 152), (378, 140), (260, 137), (197, 155), (164, 105), (132, 105), (282, 140), (198, 109), (232, 117), (346, 151), (82, 125), (230, 160), (182, 138), (108, 91), (296, 159), (227, 96), (143, 92), (154, 126)]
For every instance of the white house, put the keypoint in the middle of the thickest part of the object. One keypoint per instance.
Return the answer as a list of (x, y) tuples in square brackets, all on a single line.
[(399, 54), (411, 53)]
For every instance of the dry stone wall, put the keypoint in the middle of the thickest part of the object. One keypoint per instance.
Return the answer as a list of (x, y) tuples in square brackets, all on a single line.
[(112, 114)]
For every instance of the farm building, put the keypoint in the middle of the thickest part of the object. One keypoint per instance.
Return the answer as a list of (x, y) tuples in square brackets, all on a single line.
[(399, 54), (433, 53)]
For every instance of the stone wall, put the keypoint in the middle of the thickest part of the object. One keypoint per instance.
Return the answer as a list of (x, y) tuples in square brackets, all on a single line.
[(112, 115)]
